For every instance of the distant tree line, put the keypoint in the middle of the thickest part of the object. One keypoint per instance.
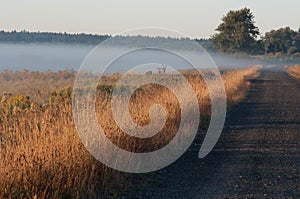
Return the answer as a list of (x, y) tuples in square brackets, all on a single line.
[(206, 44), (163, 42), (90, 39), (238, 34), (49, 37)]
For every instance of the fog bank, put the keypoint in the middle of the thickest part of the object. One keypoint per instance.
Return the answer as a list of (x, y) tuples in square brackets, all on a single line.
[(55, 57)]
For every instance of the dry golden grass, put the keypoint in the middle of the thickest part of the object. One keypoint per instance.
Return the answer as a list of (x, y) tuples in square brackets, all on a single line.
[(235, 85), (42, 155), (294, 70), (37, 85)]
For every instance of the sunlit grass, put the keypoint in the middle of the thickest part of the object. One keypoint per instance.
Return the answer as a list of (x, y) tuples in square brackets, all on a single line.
[(294, 70), (42, 155)]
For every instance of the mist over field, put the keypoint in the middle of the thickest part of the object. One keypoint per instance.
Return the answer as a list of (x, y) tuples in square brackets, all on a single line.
[(42, 57)]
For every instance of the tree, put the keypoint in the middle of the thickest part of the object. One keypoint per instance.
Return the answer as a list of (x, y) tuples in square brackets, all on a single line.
[(297, 41), (236, 33), (284, 40)]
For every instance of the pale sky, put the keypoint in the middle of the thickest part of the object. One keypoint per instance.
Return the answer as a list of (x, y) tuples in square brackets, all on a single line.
[(196, 18)]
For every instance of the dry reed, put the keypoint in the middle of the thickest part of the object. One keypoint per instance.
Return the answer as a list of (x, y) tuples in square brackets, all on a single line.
[(294, 70), (43, 157)]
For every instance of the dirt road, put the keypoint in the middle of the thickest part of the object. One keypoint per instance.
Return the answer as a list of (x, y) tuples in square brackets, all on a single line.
[(257, 156)]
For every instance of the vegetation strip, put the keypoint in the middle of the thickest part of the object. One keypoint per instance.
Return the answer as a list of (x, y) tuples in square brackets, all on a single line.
[(42, 155)]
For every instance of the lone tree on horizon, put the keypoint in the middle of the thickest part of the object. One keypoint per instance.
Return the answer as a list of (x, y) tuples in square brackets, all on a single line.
[(236, 33)]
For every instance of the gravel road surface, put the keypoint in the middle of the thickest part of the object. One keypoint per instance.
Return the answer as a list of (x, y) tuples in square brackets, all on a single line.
[(257, 156)]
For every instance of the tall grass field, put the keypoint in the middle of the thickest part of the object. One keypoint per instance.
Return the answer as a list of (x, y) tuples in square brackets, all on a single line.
[(41, 154)]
